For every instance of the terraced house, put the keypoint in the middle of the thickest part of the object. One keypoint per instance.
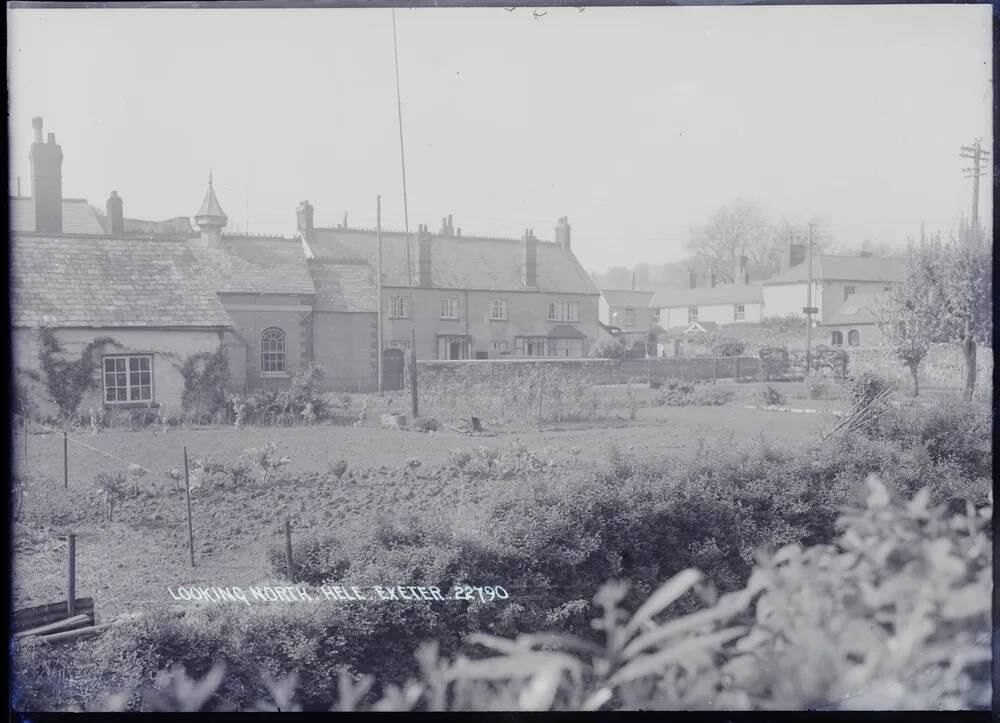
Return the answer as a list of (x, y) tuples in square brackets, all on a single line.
[(459, 297)]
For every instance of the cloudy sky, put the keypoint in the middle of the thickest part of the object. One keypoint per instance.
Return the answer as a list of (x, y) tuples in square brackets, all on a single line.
[(636, 123)]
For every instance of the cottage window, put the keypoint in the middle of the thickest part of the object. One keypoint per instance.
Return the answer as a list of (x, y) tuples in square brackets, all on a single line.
[(739, 312), (837, 338), (564, 311), (449, 308), (849, 291), (272, 352), (692, 314), (128, 378), (629, 318), (498, 347), (398, 308), (498, 310), (853, 338)]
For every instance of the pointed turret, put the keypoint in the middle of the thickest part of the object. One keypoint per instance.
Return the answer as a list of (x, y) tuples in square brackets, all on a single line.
[(210, 217)]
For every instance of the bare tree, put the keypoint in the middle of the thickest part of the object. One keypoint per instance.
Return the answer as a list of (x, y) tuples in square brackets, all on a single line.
[(738, 228)]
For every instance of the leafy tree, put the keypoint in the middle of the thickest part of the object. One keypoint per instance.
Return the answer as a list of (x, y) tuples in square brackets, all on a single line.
[(910, 317), (966, 290)]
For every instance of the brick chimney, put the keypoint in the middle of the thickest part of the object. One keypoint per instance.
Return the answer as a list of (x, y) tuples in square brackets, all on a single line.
[(424, 241), (562, 232), (46, 180), (304, 219), (796, 255), (529, 255), (447, 229), (116, 213), (692, 278)]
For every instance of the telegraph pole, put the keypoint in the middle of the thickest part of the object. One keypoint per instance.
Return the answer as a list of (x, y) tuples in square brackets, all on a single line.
[(810, 310), (378, 283), (977, 155)]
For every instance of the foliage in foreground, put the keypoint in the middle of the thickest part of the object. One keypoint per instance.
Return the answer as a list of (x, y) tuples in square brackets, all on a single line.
[(894, 614)]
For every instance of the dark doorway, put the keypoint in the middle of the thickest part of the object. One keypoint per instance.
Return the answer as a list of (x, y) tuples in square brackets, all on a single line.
[(392, 370)]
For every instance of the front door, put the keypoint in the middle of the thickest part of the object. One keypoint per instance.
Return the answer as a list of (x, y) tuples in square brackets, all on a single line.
[(454, 348)]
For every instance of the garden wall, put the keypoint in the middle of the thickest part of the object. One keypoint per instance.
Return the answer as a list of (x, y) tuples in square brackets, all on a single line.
[(593, 371), (944, 366)]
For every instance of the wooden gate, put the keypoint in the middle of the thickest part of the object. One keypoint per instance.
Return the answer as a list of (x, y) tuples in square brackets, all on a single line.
[(392, 370)]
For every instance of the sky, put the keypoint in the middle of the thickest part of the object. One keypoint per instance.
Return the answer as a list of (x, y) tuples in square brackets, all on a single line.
[(635, 123)]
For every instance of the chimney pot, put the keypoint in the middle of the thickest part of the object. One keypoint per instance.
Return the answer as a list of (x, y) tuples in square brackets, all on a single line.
[(529, 256), (563, 233), (304, 218), (36, 125), (52, 138)]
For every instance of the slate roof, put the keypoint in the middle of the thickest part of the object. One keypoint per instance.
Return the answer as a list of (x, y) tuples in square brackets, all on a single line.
[(842, 268), (109, 282), (78, 216), (177, 226), (210, 205), (344, 287), (254, 265), (857, 309), (565, 331), (621, 297), (707, 296), (457, 262)]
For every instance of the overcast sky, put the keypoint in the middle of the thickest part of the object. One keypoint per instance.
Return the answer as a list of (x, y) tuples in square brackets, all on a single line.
[(634, 123)]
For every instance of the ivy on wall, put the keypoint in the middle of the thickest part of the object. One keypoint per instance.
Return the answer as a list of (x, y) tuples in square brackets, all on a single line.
[(68, 380), (206, 375)]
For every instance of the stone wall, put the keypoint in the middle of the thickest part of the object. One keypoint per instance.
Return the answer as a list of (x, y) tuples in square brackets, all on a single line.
[(943, 367), (594, 371)]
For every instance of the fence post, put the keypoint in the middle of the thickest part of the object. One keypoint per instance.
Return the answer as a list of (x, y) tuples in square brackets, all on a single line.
[(65, 460), (187, 490), (71, 581), (288, 548)]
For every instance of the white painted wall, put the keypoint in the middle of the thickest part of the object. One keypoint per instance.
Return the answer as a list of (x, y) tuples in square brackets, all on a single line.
[(789, 299), (719, 313)]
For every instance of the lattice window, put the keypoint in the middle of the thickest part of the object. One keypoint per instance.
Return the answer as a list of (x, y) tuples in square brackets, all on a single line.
[(272, 352), (128, 378)]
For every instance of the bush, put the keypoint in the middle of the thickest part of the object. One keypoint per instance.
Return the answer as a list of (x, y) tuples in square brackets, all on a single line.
[(773, 362), (315, 559), (815, 384), (679, 393), (425, 424), (725, 346), (770, 397)]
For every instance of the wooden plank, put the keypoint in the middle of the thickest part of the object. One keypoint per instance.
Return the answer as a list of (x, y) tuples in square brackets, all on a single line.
[(70, 634), (32, 617), (67, 624)]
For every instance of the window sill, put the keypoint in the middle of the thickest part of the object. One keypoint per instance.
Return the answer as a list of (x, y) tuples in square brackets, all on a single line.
[(502, 321), (130, 405), (274, 375)]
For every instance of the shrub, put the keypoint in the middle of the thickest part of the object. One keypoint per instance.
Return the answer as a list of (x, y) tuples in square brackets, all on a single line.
[(112, 486), (770, 396), (726, 346), (678, 393), (815, 384), (773, 362), (315, 559)]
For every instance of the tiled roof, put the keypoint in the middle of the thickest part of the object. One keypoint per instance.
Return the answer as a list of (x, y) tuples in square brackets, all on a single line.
[(109, 282), (177, 226), (566, 331), (619, 297), (707, 296), (254, 265), (457, 262), (857, 309), (842, 268), (344, 287), (78, 216)]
